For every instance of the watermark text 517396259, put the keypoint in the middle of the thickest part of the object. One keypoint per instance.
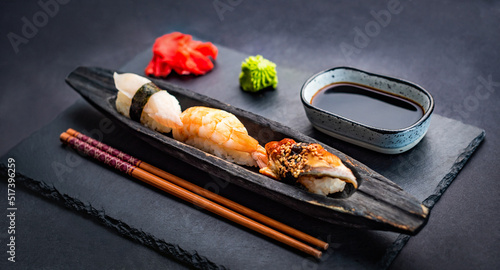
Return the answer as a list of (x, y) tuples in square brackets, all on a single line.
[(11, 209)]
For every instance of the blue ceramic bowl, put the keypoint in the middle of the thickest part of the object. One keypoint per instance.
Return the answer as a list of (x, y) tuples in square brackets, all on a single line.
[(389, 141)]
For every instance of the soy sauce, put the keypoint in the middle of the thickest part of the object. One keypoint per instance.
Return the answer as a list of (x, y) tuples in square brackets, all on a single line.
[(368, 106)]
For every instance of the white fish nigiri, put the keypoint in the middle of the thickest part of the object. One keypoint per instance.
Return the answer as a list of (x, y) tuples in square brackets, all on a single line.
[(161, 110)]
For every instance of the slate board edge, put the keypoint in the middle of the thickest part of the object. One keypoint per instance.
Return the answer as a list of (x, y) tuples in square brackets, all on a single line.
[(191, 259), (194, 259), (393, 251)]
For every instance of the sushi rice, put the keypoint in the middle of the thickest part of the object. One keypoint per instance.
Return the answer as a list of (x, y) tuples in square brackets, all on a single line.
[(161, 112)]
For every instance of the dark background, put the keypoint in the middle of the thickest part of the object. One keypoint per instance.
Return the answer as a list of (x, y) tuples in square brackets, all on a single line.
[(444, 46)]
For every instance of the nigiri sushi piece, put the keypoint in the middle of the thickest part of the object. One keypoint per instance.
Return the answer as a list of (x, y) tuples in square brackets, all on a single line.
[(308, 164), (141, 100), (220, 133)]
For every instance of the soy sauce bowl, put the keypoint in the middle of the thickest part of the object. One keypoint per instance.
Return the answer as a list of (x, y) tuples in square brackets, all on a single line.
[(380, 138)]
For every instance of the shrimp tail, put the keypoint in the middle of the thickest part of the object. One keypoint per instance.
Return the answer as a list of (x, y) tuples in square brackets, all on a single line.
[(240, 141), (260, 157)]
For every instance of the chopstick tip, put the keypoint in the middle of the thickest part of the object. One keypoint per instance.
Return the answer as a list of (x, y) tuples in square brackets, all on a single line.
[(318, 254)]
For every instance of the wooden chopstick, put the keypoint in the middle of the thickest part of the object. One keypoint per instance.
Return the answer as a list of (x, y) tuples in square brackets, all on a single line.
[(184, 194), (201, 191)]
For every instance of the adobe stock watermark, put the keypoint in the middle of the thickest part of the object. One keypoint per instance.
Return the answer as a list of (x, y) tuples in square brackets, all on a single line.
[(30, 27), (223, 6), (373, 28), (74, 158), (11, 209), (484, 89), (215, 185)]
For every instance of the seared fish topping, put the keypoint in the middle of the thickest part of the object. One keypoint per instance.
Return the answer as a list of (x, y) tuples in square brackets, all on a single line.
[(308, 164)]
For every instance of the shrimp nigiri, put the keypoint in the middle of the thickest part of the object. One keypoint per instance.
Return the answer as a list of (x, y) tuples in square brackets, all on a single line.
[(139, 99), (220, 133)]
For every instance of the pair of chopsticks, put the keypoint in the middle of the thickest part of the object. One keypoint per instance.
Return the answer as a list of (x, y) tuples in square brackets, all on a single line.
[(192, 193)]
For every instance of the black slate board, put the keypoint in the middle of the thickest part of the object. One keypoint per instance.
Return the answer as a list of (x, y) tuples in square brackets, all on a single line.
[(201, 239)]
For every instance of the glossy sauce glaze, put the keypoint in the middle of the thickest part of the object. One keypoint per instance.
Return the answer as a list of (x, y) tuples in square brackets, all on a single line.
[(368, 106)]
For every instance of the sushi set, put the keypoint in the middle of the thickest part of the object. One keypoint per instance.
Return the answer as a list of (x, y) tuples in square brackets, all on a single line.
[(224, 141)]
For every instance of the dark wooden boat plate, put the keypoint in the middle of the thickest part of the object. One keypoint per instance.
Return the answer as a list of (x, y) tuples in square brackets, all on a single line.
[(377, 204)]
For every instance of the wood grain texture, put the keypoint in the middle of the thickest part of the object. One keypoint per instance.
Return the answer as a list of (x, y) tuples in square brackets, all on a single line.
[(377, 204)]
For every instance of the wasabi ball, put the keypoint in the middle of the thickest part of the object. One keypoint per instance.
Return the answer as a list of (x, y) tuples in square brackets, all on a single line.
[(258, 73)]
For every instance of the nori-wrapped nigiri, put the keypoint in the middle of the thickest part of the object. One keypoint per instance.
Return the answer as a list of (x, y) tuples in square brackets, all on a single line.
[(141, 100)]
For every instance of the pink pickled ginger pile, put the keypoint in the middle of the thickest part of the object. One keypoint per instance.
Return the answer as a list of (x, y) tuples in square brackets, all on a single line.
[(179, 52)]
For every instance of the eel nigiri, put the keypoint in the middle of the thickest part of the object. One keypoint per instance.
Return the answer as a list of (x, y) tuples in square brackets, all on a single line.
[(140, 100), (308, 164), (220, 133)]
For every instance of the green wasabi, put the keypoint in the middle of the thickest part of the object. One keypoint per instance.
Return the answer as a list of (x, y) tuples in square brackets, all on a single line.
[(258, 73)]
